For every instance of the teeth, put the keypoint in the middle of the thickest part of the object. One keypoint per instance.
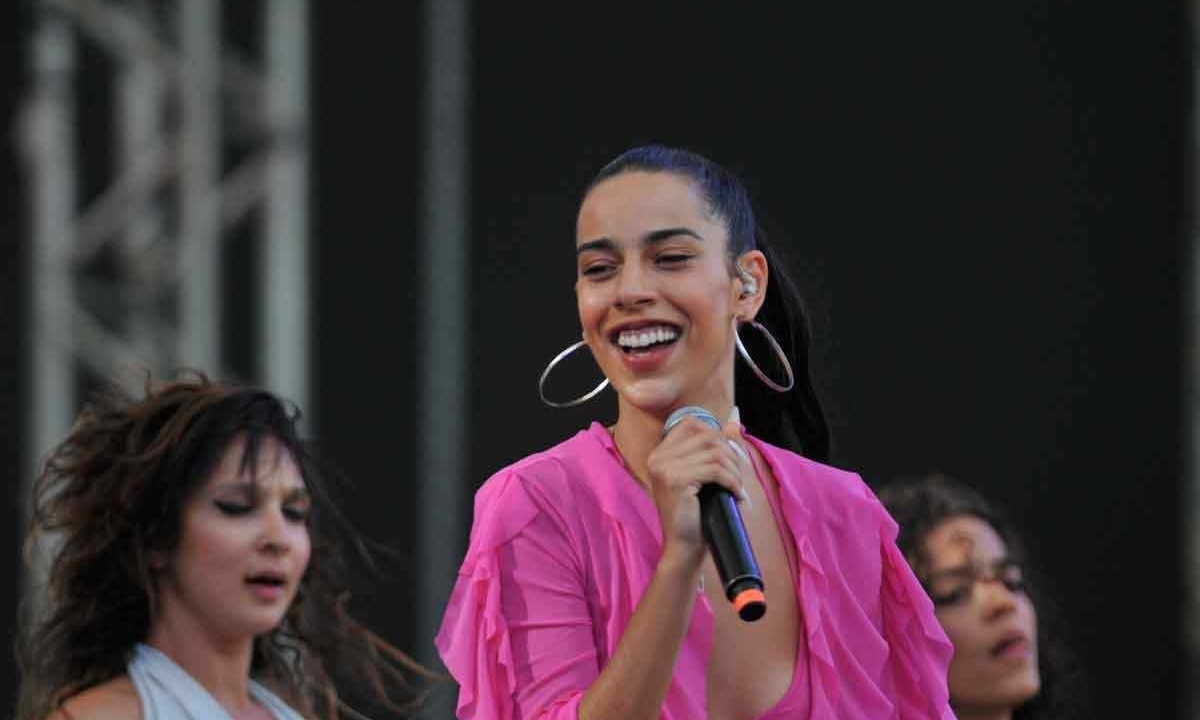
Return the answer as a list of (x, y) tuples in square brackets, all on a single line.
[(646, 336)]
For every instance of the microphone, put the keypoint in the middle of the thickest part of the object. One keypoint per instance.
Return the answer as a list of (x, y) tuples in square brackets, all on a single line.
[(725, 534)]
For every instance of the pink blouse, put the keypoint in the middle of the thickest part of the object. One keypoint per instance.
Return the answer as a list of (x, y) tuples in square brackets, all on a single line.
[(563, 546)]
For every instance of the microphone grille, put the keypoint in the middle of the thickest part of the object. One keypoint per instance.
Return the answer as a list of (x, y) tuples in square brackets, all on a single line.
[(694, 411)]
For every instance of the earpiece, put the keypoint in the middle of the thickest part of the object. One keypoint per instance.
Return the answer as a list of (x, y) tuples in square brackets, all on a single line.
[(749, 283)]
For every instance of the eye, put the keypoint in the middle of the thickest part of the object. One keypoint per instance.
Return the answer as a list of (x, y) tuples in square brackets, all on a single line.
[(296, 513), (596, 269), (1013, 580), (951, 597), (673, 258), (232, 508)]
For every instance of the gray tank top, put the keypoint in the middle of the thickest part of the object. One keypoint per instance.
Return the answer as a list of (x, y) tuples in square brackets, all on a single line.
[(168, 692)]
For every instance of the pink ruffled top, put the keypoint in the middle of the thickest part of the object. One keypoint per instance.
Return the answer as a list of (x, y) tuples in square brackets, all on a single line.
[(563, 546)]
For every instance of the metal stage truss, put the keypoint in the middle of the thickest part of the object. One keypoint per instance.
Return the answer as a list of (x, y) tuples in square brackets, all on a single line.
[(131, 280)]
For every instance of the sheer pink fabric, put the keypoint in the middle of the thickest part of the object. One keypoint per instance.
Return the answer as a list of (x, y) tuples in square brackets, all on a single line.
[(564, 543)]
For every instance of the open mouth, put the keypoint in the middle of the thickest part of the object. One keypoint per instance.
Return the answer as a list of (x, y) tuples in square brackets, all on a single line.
[(1011, 644), (266, 580), (633, 341)]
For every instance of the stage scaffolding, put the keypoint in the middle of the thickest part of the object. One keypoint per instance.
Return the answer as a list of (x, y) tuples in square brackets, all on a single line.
[(133, 280), (181, 96)]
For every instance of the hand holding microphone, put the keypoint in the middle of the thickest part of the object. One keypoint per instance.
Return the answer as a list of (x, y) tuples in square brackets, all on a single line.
[(711, 469)]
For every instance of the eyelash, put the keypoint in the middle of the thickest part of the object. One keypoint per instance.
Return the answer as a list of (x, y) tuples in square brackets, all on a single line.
[(667, 259), (597, 269), (295, 515), (238, 509), (957, 595), (232, 509)]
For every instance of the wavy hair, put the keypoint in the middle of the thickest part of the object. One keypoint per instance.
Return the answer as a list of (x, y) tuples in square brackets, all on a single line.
[(110, 495), (920, 504)]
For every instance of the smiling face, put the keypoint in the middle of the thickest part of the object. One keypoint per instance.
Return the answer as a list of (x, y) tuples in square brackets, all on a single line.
[(979, 597), (657, 294), (243, 548)]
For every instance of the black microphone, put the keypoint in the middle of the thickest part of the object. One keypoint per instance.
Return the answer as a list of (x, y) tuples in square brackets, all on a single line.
[(721, 523)]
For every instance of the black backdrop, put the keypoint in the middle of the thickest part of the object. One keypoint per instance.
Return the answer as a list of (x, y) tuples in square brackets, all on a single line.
[(984, 206)]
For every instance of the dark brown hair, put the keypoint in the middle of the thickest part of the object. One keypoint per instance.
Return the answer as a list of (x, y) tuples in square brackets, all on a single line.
[(920, 504), (795, 419), (111, 494)]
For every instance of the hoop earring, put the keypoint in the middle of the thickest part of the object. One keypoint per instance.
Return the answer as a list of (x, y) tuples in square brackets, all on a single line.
[(570, 403), (787, 366)]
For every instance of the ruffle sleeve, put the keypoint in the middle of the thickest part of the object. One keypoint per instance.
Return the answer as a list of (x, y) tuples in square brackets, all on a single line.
[(516, 635), (920, 651), (473, 642)]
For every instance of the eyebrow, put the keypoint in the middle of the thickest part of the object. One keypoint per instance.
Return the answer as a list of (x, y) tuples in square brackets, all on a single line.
[(654, 236), (958, 571), (298, 493)]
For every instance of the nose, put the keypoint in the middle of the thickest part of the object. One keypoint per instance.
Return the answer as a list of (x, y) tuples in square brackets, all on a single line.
[(633, 287), (998, 599), (273, 537)]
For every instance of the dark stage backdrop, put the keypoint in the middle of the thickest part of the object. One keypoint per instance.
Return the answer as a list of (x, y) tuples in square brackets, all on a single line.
[(983, 206)]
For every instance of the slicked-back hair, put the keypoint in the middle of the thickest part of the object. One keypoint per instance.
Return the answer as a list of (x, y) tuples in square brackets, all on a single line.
[(794, 419)]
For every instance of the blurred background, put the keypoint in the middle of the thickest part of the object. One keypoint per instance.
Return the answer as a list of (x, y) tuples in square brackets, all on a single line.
[(369, 207)]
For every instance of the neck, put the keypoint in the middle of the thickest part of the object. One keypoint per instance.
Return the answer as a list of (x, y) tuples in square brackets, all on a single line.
[(221, 665)]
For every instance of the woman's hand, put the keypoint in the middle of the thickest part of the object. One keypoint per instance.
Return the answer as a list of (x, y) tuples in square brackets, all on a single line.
[(692, 454)]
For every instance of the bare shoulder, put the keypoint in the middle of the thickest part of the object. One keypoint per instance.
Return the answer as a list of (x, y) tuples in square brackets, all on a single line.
[(116, 699)]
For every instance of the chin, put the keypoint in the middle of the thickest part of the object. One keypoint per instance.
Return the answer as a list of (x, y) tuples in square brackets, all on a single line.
[(1019, 691), (1031, 689), (264, 623), (652, 396)]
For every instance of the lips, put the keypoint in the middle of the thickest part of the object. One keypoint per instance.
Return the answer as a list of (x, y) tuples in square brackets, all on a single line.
[(268, 586), (1011, 645), (269, 577)]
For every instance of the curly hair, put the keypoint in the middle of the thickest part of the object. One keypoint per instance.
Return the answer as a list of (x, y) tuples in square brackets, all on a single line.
[(110, 496), (920, 504)]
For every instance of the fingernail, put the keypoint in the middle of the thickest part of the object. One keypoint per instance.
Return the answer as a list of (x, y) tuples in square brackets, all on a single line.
[(738, 447)]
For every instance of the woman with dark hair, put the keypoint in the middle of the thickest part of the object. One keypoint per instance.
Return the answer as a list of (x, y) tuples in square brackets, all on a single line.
[(587, 590), (194, 573), (968, 557)]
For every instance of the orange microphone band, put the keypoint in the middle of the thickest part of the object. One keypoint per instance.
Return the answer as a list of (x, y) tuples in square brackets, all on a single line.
[(750, 604)]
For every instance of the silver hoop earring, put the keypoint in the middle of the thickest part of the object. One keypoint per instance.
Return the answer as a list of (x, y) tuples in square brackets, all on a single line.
[(787, 366), (570, 403)]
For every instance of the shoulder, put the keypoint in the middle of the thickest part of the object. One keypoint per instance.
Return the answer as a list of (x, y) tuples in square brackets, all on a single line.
[(838, 500), (549, 477), (815, 479), (115, 699), (556, 482)]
